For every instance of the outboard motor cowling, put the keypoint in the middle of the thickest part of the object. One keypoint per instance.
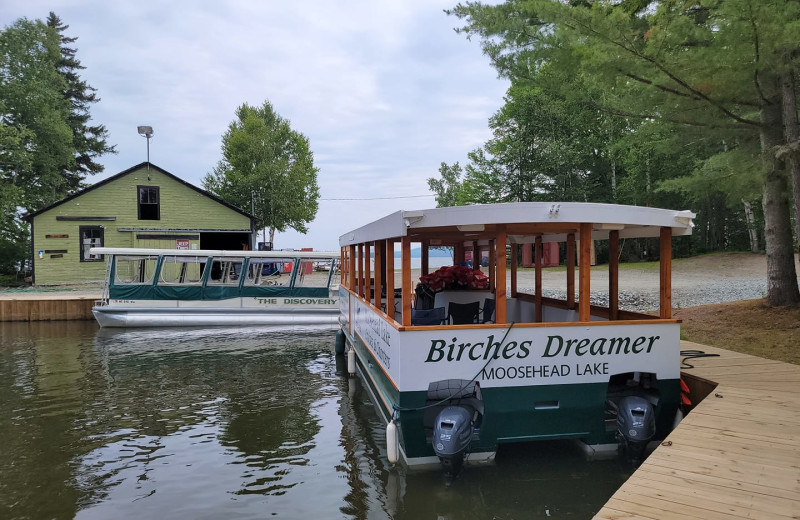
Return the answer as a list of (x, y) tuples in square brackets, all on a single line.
[(636, 426), (452, 434)]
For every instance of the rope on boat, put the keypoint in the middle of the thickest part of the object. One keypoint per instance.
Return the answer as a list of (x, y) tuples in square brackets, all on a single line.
[(397, 409), (693, 354)]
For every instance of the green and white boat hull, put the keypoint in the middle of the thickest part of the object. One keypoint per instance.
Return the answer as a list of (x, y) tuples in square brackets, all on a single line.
[(536, 383)]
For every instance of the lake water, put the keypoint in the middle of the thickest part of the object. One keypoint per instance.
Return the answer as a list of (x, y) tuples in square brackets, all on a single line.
[(235, 423)]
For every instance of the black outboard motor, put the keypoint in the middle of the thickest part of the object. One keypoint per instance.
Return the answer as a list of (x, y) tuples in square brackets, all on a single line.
[(636, 425), (452, 434)]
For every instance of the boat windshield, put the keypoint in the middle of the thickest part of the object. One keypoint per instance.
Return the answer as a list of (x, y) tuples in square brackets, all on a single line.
[(225, 271), (313, 273), (268, 271), (134, 269), (181, 269)]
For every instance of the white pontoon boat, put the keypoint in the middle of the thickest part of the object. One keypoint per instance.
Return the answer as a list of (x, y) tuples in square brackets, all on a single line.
[(461, 361)]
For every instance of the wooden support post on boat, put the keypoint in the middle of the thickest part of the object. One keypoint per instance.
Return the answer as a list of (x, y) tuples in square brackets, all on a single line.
[(500, 275), (613, 275), (379, 270), (458, 253), (405, 268), (361, 270), (537, 259), (476, 256), (424, 258), (351, 265), (665, 264), (492, 260), (514, 260), (585, 272), (389, 246), (345, 266), (571, 271), (367, 273)]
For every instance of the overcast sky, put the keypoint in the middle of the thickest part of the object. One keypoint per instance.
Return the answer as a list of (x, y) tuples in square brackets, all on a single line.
[(384, 90)]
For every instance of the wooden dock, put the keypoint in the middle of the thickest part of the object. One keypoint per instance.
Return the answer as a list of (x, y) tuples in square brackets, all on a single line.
[(735, 455), (47, 306)]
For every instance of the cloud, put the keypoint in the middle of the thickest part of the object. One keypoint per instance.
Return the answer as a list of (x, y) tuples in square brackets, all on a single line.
[(385, 91)]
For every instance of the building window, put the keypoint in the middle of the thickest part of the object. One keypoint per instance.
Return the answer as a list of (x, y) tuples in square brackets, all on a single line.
[(91, 236), (149, 203)]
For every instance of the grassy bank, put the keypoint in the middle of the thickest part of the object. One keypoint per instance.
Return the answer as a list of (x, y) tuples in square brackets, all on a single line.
[(748, 326)]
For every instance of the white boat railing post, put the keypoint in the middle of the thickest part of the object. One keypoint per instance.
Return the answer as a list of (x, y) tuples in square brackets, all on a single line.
[(104, 293)]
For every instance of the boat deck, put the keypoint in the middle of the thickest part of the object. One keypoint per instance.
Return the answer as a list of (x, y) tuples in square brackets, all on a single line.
[(735, 455)]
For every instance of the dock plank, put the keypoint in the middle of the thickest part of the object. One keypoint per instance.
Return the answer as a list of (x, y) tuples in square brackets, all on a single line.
[(727, 404), (736, 455), (768, 504), (661, 506), (754, 473), (770, 371), (705, 438), (616, 514), (736, 484)]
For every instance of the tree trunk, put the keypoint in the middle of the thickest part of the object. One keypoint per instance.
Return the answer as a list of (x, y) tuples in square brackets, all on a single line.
[(272, 236), (751, 226), (614, 179), (782, 289), (791, 131)]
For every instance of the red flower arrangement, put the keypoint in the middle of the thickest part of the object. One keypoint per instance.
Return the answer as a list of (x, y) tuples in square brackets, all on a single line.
[(455, 277)]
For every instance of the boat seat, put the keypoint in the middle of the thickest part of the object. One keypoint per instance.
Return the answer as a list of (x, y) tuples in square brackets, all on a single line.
[(424, 297), (487, 312), (433, 316), (461, 313)]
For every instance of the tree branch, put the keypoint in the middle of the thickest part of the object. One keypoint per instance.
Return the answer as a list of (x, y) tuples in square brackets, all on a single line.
[(659, 87), (757, 53), (677, 92), (580, 26), (687, 122)]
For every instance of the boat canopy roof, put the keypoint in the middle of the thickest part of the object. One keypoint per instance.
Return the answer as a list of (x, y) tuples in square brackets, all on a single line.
[(277, 255), (523, 222)]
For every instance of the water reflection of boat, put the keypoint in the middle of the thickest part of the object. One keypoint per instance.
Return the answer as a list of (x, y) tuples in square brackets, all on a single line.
[(225, 402), (535, 479), (139, 341), (491, 367), (190, 288), (258, 333)]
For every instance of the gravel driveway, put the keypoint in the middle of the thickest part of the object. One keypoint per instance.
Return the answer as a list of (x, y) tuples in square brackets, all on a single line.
[(696, 281)]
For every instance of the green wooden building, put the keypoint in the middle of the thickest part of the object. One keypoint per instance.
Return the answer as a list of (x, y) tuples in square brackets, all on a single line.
[(143, 206)]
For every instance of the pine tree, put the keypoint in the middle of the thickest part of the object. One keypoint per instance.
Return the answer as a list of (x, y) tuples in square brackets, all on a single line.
[(90, 141), (267, 166), (725, 68)]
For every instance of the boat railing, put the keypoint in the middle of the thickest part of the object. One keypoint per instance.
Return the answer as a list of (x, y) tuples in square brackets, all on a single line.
[(171, 270), (597, 311), (600, 316), (521, 309)]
